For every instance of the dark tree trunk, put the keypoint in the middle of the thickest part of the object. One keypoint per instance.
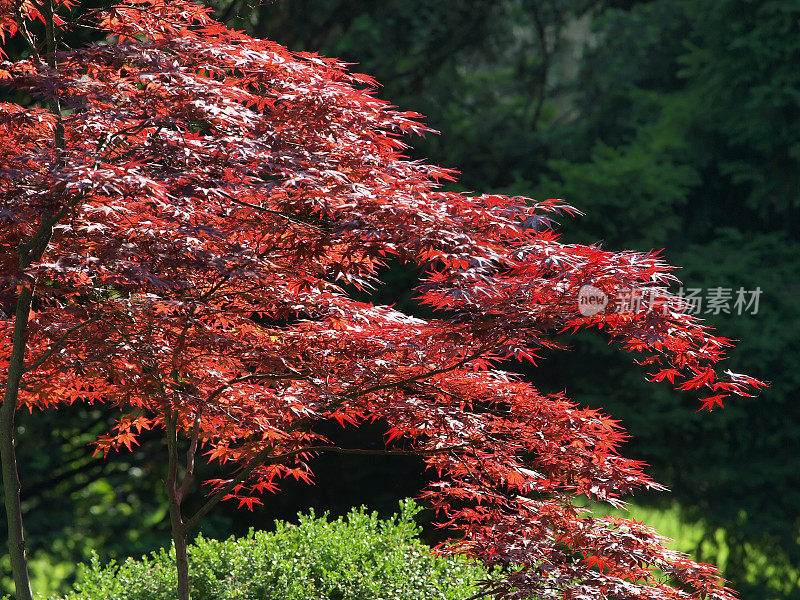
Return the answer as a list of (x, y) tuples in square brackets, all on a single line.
[(8, 455), (179, 536), (180, 530)]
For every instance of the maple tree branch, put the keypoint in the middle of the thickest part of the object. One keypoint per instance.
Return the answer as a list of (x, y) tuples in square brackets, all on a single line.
[(252, 377), (141, 357), (170, 429), (106, 139), (32, 250), (37, 244), (48, 11), (26, 34), (480, 482), (397, 384), (179, 345), (277, 213), (191, 454), (58, 344), (214, 287), (427, 375)]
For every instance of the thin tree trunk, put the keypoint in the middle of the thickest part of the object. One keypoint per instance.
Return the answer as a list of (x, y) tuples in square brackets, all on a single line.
[(11, 486), (28, 253), (8, 456), (179, 536), (175, 492)]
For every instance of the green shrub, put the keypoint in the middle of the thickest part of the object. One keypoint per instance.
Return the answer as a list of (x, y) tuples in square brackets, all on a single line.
[(359, 557)]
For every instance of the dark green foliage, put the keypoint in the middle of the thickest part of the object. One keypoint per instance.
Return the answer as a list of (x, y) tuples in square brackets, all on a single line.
[(742, 63), (75, 503), (356, 558), (686, 140), (479, 70)]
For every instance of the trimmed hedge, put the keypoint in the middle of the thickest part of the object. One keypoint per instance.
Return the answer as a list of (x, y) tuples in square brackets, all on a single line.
[(359, 557)]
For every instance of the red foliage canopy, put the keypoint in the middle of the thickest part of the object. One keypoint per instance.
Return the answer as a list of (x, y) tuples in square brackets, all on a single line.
[(190, 220)]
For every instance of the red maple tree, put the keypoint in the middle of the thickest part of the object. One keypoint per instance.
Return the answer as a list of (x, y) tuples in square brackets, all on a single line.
[(183, 209)]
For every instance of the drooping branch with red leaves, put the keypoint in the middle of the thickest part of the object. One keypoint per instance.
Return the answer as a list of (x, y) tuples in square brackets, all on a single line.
[(183, 210)]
